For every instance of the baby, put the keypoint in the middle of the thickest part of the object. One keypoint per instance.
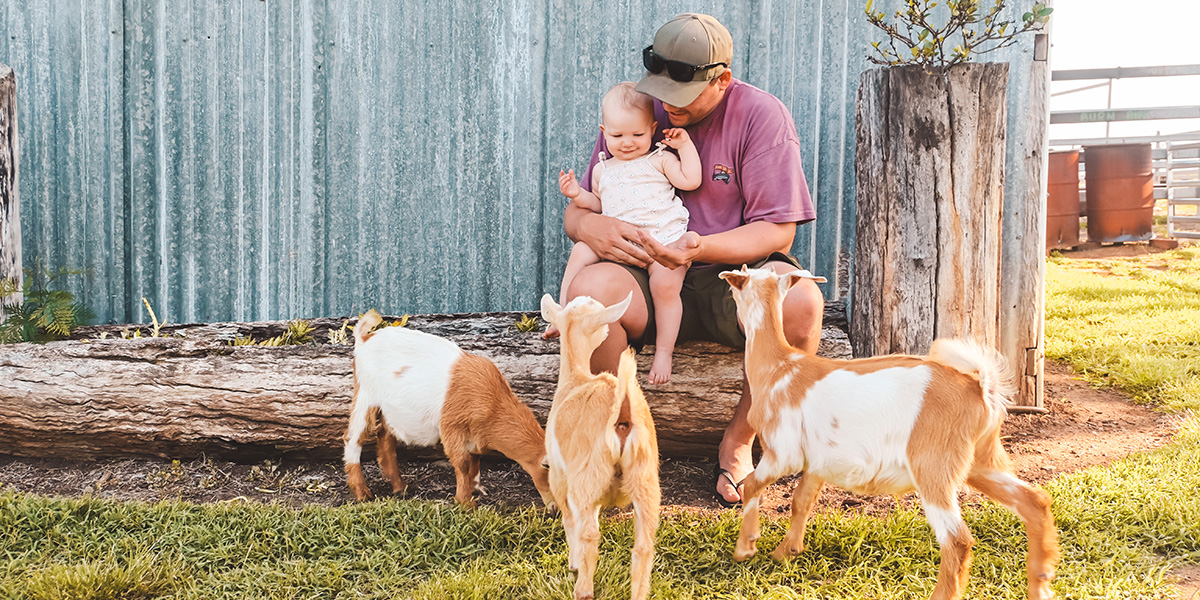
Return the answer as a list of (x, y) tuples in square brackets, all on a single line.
[(637, 185)]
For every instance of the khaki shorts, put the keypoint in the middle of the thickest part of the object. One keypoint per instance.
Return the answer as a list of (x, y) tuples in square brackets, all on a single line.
[(709, 312)]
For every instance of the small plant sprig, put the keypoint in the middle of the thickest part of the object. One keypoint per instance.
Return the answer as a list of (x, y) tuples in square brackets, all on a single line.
[(157, 327), (43, 314), (528, 324), (914, 39), (299, 332), (401, 322), (341, 336)]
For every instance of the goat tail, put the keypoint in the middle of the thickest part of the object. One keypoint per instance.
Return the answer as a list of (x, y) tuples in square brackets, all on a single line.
[(995, 375), (367, 322)]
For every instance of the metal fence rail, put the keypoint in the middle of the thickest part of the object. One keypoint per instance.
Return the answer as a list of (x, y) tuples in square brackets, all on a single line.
[(1183, 189)]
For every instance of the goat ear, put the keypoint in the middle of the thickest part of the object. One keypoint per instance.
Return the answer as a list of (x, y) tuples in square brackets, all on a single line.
[(550, 309), (736, 279), (611, 313), (787, 280)]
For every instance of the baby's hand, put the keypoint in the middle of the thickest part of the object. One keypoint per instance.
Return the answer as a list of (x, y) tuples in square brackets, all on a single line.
[(676, 137), (568, 185)]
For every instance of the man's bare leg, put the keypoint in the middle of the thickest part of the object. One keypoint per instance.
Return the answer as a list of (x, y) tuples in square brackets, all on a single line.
[(581, 257), (610, 283), (803, 309)]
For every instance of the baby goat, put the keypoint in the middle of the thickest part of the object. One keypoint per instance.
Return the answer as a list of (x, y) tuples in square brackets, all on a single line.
[(600, 443), (883, 425), (425, 389)]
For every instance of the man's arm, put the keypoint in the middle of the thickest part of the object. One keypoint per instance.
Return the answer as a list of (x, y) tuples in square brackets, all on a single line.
[(611, 239), (747, 243)]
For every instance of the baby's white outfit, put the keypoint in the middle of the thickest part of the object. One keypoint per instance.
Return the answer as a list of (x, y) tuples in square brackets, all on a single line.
[(637, 193)]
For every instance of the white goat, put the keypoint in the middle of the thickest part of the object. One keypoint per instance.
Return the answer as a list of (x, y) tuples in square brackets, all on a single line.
[(426, 388), (600, 443), (883, 425)]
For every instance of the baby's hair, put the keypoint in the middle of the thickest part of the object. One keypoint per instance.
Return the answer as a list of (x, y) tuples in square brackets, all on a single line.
[(623, 95)]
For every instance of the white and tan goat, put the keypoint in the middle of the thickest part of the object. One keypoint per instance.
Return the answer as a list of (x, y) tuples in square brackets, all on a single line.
[(600, 443), (883, 425), (426, 388)]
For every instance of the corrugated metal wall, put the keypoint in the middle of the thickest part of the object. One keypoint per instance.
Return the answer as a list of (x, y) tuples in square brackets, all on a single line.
[(265, 159)]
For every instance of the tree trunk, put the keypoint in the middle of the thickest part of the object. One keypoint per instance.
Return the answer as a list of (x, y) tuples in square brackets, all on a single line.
[(930, 176), (179, 397), (10, 213)]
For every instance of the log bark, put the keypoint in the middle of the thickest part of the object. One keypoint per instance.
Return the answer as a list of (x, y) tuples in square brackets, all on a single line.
[(181, 397), (930, 183), (10, 213)]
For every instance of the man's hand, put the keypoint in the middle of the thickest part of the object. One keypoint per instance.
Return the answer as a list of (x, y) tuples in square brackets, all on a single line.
[(613, 240), (568, 184), (676, 137), (679, 253)]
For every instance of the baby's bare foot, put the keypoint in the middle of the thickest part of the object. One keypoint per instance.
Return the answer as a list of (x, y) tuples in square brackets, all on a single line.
[(550, 333), (660, 368)]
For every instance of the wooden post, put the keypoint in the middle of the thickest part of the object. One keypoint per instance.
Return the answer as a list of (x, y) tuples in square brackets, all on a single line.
[(1024, 265), (930, 176), (10, 205)]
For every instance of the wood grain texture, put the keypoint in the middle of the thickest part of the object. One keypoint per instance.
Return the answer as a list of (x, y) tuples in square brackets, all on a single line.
[(183, 397), (930, 182), (1023, 265), (10, 199)]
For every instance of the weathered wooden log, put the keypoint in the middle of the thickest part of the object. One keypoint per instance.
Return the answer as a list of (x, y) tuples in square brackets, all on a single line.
[(10, 206), (930, 191), (180, 397)]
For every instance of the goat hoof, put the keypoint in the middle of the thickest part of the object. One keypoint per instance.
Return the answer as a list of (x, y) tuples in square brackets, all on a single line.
[(742, 555), (784, 554)]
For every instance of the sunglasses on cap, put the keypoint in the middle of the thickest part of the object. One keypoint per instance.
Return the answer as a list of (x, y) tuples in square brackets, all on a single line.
[(676, 70)]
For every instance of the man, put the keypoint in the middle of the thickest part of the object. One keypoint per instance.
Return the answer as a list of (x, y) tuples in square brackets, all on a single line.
[(746, 210)]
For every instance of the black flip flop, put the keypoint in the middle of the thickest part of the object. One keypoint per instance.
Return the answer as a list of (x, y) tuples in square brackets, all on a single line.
[(718, 472)]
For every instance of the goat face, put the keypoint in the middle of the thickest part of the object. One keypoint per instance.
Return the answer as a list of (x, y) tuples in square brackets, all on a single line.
[(756, 291), (583, 321)]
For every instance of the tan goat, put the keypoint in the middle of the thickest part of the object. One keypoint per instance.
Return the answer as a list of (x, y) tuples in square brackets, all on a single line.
[(883, 425), (426, 388), (596, 458)]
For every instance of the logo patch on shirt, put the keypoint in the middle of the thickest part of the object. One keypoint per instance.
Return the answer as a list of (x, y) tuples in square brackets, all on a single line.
[(722, 173)]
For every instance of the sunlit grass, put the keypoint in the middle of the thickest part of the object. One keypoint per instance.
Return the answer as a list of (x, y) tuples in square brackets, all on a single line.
[(1123, 526), (1129, 322)]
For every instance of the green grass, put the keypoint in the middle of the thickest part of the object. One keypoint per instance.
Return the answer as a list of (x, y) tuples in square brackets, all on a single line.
[(1133, 323), (1122, 526)]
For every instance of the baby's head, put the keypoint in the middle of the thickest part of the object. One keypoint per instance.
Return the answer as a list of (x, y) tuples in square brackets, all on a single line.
[(627, 120)]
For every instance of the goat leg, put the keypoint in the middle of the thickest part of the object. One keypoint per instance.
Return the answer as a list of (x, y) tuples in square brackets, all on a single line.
[(804, 497), (752, 490)]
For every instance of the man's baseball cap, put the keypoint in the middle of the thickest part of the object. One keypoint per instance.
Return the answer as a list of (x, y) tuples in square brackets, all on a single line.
[(694, 40)]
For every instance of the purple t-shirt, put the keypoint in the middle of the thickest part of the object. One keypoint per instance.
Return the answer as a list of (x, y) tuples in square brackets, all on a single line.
[(750, 158)]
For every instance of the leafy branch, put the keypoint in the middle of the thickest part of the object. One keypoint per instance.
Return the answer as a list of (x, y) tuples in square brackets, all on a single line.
[(44, 313), (973, 29)]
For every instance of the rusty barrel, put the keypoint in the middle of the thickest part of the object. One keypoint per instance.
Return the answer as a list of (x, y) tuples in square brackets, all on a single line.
[(1120, 192), (1062, 202)]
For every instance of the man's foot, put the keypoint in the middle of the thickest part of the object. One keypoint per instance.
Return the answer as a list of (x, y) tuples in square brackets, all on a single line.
[(660, 368), (729, 490), (550, 333)]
